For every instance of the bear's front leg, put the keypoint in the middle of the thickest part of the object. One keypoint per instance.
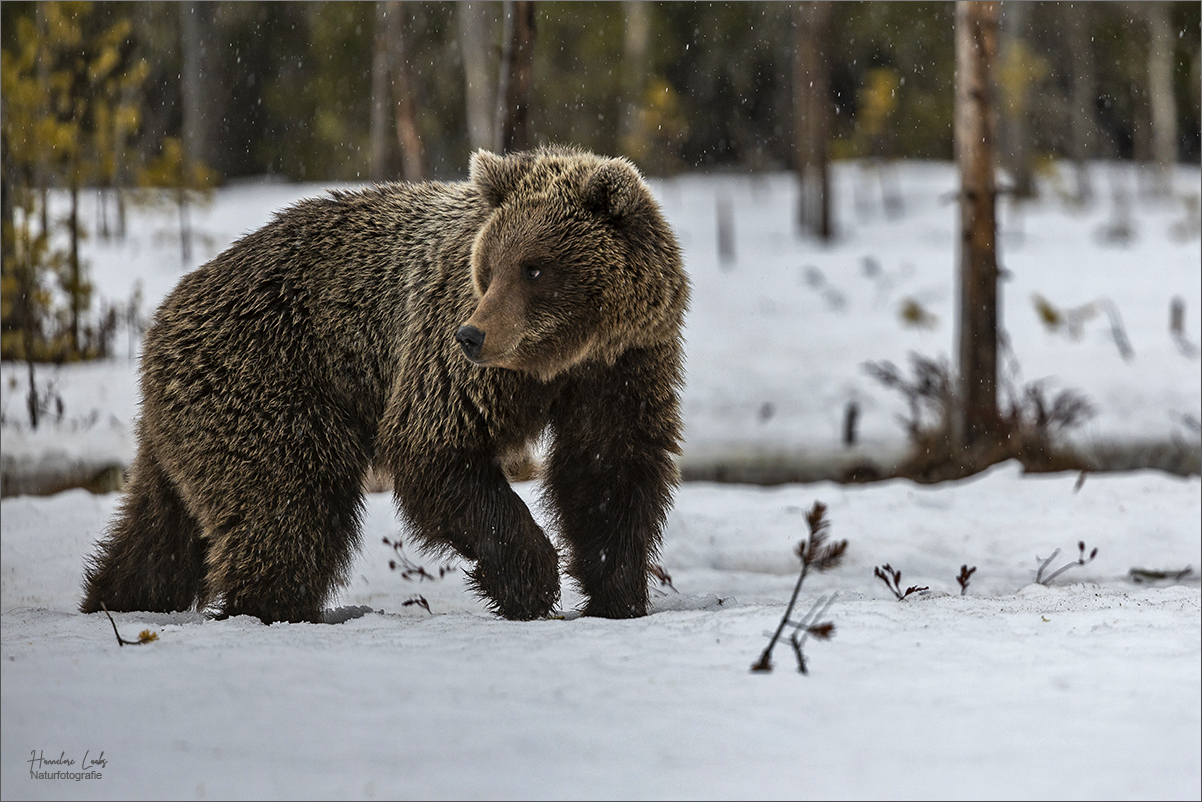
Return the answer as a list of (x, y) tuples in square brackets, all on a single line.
[(610, 476), (465, 502)]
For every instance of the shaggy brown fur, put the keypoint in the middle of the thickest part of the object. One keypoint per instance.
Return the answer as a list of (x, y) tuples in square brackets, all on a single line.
[(326, 342)]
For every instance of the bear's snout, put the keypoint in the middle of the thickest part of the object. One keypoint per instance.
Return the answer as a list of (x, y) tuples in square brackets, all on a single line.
[(471, 339)]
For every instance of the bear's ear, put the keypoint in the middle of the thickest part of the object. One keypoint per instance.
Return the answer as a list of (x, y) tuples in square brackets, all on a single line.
[(615, 190), (497, 176)]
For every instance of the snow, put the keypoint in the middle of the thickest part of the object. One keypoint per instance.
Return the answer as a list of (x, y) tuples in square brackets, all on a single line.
[(1089, 687)]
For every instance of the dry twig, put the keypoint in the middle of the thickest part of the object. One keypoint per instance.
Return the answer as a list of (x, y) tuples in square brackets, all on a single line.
[(892, 580), (145, 636), (965, 573), (1081, 560)]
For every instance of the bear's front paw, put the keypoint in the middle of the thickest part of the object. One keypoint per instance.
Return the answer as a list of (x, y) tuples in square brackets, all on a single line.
[(520, 585)]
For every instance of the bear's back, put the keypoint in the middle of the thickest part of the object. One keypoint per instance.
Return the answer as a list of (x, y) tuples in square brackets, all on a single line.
[(330, 297)]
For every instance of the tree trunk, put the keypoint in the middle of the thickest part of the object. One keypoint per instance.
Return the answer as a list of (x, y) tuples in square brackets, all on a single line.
[(75, 286), (812, 117), (517, 76), (42, 178), (975, 137), (475, 49), (404, 87), (199, 84), (8, 218), (380, 100), (634, 76), (1015, 127), (1160, 93), (1083, 131)]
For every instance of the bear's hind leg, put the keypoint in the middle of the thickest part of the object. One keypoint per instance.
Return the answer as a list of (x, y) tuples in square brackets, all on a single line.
[(152, 557)]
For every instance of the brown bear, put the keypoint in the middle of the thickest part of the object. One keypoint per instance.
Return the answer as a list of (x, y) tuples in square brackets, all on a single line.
[(434, 331)]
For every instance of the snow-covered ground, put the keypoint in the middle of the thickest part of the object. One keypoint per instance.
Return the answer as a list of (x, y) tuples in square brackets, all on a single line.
[(1086, 689), (1090, 687)]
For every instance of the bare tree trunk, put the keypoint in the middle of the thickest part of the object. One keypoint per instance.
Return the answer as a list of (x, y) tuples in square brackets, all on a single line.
[(975, 138), (517, 76), (197, 34), (8, 217), (380, 100), (199, 89), (1160, 93), (1016, 131), (475, 50), (76, 280), (1083, 95), (43, 166), (185, 219), (634, 75), (404, 87), (812, 116)]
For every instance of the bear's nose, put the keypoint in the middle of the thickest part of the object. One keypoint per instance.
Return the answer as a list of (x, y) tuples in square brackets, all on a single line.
[(472, 340)]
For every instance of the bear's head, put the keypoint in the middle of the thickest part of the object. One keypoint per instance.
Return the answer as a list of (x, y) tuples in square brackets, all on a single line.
[(573, 263)]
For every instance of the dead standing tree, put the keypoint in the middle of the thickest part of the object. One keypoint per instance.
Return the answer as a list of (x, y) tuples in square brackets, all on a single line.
[(475, 48), (378, 169), (512, 130), (198, 79), (636, 36), (811, 116), (976, 126), (404, 91), (1084, 137), (393, 87), (1160, 94)]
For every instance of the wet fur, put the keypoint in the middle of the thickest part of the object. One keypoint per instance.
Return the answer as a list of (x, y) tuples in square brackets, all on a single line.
[(323, 343)]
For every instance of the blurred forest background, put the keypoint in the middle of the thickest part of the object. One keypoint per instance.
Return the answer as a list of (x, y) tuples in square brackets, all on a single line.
[(183, 96)]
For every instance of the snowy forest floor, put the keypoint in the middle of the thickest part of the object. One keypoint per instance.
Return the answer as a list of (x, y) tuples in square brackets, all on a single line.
[(1087, 688)]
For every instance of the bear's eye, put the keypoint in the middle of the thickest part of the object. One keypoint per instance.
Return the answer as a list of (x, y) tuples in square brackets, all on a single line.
[(531, 272)]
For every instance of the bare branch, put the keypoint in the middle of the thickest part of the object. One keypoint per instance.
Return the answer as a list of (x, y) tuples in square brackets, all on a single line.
[(965, 574), (145, 636), (892, 580), (1081, 560)]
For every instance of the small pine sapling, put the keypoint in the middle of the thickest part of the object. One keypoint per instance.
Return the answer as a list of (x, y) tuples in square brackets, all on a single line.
[(965, 574), (1081, 560), (815, 554), (892, 580)]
